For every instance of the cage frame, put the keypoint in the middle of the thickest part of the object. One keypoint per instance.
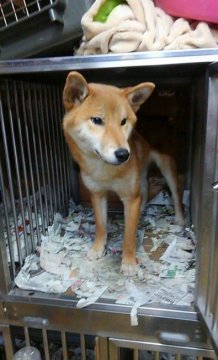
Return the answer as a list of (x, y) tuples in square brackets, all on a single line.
[(59, 311)]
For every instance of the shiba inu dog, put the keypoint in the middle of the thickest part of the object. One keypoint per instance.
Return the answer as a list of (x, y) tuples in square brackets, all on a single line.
[(99, 129)]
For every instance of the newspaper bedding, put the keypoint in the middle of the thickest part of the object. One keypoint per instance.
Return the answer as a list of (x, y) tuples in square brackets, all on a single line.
[(60, 263)]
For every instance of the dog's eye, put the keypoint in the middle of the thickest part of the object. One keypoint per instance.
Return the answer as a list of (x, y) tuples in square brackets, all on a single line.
[(123, 122), (97, 120)]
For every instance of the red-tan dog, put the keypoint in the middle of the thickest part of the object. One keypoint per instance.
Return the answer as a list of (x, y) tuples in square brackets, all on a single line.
[(99, 129)]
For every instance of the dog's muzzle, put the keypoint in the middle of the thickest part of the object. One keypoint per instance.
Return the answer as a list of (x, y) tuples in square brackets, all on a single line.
[(122, 155)]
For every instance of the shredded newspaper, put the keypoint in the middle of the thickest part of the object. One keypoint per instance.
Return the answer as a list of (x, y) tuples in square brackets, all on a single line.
[(165, 253)]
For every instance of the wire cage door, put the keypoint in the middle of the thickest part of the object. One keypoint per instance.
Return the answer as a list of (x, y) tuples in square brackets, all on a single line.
[(34, 166), (14, 11)]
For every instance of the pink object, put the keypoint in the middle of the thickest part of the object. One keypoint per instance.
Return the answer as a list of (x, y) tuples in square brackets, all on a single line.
[(204, 10)]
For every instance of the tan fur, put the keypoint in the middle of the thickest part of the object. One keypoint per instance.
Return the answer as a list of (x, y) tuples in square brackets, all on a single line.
[(94, 147)]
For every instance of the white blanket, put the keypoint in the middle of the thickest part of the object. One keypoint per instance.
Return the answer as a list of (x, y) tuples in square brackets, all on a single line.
[(141, 26)]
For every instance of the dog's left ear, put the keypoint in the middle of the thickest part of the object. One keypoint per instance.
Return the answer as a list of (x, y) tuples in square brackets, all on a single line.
[(75, 91), (138, 94)]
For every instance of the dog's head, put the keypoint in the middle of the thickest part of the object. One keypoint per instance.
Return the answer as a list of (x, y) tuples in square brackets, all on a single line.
[(100, 118)]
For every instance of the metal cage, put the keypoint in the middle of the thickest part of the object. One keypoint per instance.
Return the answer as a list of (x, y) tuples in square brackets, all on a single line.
[(38, 178), (59, 344), (13, 12), (51, 24)]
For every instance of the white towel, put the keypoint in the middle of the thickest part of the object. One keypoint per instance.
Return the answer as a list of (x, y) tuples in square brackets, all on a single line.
[(139, 25)]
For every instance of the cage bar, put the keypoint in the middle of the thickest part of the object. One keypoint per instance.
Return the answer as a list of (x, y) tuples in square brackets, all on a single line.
[(64, 345), (135, 354), (23, 161), (156, 355), (10, 185), (27, 337), (45, 344), (7, 341)]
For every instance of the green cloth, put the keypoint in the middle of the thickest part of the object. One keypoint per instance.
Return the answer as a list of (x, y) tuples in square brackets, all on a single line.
[(106, 8)]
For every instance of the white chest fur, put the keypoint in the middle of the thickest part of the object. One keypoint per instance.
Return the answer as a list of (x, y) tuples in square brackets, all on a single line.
[(104, 178)]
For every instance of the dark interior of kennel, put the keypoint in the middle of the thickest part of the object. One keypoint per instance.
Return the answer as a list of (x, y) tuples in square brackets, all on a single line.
[(36, 160), (32, 139)]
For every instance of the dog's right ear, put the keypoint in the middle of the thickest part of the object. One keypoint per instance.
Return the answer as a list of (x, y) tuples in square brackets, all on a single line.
[(75, 91)]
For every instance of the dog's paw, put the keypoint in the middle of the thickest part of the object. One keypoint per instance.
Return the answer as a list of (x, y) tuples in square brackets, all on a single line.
[(129, 269), (94, 254), (180, 221)]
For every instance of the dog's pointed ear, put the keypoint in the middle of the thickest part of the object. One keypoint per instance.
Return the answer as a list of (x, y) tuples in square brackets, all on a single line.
[(138, 94), (75, 91)]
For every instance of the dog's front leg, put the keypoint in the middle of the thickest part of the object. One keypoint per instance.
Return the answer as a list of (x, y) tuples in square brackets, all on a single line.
[(99, 203), (132, 206)]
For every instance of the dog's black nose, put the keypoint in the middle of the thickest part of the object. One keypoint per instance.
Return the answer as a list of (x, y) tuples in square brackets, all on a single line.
[(122, 155)]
